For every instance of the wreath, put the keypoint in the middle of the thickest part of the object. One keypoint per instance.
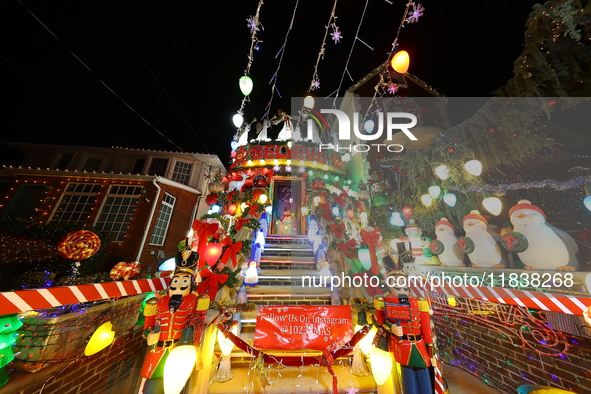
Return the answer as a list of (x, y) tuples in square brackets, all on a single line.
[(514, 241), (436, 247), (466, 245)]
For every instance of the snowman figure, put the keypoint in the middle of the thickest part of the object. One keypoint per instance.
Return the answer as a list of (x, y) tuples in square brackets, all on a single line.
[(251, 276), (480, 244), (546, 247), (324, 273), (445, 246)]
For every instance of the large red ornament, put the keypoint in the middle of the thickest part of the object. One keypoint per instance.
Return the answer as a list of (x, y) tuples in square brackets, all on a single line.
[(79, 245), (317, 184), (213, 251)]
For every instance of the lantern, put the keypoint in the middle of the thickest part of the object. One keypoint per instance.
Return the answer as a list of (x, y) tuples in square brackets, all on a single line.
[(245, 85), (442, 172), (474, 167), (434, 191), (400, 62), (427, 200), (407, 212), (102, 337), (450, 199), (493, 205), (213, 251), (232, 209), (381, 361), (237, 120)]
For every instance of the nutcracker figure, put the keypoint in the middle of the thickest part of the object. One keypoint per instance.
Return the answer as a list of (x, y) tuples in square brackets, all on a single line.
[(411, 340), (166, 317)]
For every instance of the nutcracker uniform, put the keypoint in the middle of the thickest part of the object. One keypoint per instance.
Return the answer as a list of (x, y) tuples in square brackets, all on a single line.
[(411, 341)]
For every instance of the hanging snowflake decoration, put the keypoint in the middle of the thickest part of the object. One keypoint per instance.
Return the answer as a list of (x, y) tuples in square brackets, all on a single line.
[(336, 34), (252, 24), (417, 12), (393, 88), (315, 84)]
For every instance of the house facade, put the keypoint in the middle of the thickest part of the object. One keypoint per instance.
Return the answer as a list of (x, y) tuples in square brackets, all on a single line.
[(147, 199)]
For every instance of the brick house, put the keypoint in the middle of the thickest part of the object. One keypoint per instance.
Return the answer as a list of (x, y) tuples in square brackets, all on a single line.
[(146, 198)]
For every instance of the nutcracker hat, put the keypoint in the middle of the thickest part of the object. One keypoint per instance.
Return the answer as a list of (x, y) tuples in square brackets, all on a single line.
[(185, 261), (475, 215), (525, 204), (444, 222)]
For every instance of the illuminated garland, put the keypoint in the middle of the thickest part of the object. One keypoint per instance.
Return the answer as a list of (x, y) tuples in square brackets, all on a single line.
[(502, 188)]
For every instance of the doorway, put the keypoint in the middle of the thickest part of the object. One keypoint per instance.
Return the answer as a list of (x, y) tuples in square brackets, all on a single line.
[(287, 200)]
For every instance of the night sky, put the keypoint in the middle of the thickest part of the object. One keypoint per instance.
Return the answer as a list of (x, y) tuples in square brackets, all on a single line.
[(164, 75)]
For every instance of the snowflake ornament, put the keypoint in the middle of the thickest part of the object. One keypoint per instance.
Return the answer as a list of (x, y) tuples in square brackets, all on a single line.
[(336, 34), (315, 84), (393, 88), (252, 24), (417, 12), (351, 390)]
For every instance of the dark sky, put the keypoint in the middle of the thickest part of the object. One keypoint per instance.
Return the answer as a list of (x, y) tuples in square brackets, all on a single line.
[(164, 74)]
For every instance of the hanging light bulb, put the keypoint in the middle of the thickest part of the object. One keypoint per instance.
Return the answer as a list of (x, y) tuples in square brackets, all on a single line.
[(213, 251), (263, 198), (434, 191), (100, 339), (245, 85), (493, 205), (180, 363), (232, 209), (474, 167), (316, 200), (304, 210), (381, 361), (309, 102), (366, 343), (215, 208), (400, 62), (364, 256), (335, 210), (237, 120), (442, 172), (450, 199), (407, 212), (396, 219), (350, 213), (427, 200)]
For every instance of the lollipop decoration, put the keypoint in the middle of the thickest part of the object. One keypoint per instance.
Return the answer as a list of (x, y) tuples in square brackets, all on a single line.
[(78, 245), (125, 271)]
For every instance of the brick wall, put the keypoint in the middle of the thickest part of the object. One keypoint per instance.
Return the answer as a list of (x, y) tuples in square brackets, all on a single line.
[(111, 371), (490, 346)]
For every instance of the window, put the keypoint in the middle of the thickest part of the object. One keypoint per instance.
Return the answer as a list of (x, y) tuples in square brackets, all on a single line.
[(118, 209), (182, 172), (75, 203), (25, 201), (63, 162), (92, 164), (158, 167), (138, 168), (163, 220)]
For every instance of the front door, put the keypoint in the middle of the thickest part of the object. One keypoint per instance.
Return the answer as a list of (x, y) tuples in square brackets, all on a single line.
[(287, 201)]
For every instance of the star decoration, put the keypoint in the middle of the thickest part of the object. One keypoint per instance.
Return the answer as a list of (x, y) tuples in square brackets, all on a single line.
[(417, 12), (336, 34)]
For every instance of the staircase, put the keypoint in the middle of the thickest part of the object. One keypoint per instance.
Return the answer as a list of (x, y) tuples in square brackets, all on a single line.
[(285, 261)]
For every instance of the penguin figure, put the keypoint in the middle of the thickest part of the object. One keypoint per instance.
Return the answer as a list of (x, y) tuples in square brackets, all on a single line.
[(487, 252), (451, 256), (251, 276), (549, 248)]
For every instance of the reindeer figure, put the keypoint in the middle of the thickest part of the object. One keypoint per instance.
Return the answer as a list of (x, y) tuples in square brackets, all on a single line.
[(237, 185)]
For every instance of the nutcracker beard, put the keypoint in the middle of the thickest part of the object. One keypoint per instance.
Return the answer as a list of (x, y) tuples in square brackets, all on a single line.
[(175, 302)]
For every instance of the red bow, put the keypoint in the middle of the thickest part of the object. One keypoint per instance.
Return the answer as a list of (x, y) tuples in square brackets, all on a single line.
[(324, 206), (256, 194), (341, 198), (203, 230), (328, 217), (231, 250), (210, 283), (252, 210), (211, 199), (338, 230), (346, 247), (239, 223), (372, 238)]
